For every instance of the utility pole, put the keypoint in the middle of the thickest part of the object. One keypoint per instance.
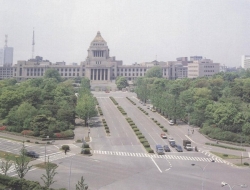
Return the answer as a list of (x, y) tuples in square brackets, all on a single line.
[(33, 44)]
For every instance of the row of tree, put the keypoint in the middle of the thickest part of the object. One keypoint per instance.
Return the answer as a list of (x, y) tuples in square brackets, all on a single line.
[(219, 105)]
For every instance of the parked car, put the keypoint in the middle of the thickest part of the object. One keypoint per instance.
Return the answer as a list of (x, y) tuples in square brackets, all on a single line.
[(163, 135), (171, 122), (166, 148), (178, 148), (32, 154)]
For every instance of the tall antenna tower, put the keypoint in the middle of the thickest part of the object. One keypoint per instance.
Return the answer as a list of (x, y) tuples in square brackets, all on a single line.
[(33, 44), (6, 40)]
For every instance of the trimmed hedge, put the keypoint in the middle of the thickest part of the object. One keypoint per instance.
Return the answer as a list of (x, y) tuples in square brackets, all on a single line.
[(113, 100), (131, 101)]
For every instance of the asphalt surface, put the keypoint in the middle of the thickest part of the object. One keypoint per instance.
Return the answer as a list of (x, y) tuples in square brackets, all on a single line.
[(119, 161)]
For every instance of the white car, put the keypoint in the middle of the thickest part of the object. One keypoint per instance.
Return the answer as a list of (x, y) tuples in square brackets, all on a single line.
[(171, 122)]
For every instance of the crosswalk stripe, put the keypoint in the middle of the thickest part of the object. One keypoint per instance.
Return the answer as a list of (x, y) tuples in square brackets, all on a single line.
[(145, 155)]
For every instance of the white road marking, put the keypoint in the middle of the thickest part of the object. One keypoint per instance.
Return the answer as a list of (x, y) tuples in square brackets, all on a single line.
[(156, 165), (189, 138)]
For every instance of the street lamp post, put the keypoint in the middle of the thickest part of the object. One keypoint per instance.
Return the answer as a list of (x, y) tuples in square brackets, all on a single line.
[(231, 187), (203, 171)]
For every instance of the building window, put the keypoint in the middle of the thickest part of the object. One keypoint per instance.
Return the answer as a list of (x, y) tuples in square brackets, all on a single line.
[(61, 69), (65, 74), (61, 74), (65, 70), (69, 74), (121, 69), (74, 70)]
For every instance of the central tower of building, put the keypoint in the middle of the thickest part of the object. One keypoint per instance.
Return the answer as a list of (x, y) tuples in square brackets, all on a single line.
[(98, 64)]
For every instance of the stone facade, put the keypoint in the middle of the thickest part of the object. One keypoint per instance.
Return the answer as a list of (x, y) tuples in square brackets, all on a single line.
[(100, 67)]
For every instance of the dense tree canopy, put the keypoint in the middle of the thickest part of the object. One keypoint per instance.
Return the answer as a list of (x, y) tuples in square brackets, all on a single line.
[(121, 82), (155, 71), (219, 105), (43, 106)]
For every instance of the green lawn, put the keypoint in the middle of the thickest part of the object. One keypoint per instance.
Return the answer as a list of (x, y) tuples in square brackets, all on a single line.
[(10, 156), (43, 165), (227, 156)]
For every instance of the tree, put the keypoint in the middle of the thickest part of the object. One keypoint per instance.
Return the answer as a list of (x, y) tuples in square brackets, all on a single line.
[(53, 73), (142, 89), (48, 177), (6, 165), (155, 71), (80, 185), (22, 163), (85, 107), (121, 82)]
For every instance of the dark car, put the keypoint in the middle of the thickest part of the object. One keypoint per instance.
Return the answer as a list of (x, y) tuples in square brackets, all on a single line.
[(178, 148), (166, 148), (172, 143), (32, 154)]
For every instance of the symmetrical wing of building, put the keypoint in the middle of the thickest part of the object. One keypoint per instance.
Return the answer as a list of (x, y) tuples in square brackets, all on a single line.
[(99, 66)]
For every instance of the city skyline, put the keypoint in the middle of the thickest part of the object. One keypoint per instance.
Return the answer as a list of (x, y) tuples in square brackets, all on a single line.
[(136, 31)]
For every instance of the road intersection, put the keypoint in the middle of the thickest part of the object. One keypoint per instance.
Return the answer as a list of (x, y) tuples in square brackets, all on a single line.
[(119, 161)]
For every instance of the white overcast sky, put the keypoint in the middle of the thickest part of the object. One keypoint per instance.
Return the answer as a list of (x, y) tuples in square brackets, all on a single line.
[(135, 30)]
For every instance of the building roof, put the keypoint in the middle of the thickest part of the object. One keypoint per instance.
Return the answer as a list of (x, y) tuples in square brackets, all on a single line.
[(98, 38)]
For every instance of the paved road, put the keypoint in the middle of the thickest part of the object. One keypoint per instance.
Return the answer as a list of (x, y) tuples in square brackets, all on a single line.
[(119, 161)]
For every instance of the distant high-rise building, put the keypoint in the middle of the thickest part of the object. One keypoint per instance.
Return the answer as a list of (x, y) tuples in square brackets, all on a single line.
[(1, 57), (245, 61), (8, 56), (195, 58)]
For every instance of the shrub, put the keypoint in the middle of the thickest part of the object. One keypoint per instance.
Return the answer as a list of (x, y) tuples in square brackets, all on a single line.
[(85, 151), (68, 133), (246, 164), (27, 132), (140, 136), (78, 140), (107, 131), (136, 129), (161, 127), (165, 130), (27, 140), (149, 150), (36, 142), (143, 140), (2, 128), (138, 133), (106, 127), (225, 155), (152, 118), (58, 135), (85, 145), (48, 142), (65, 147), (146, 144), (133, 126)]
